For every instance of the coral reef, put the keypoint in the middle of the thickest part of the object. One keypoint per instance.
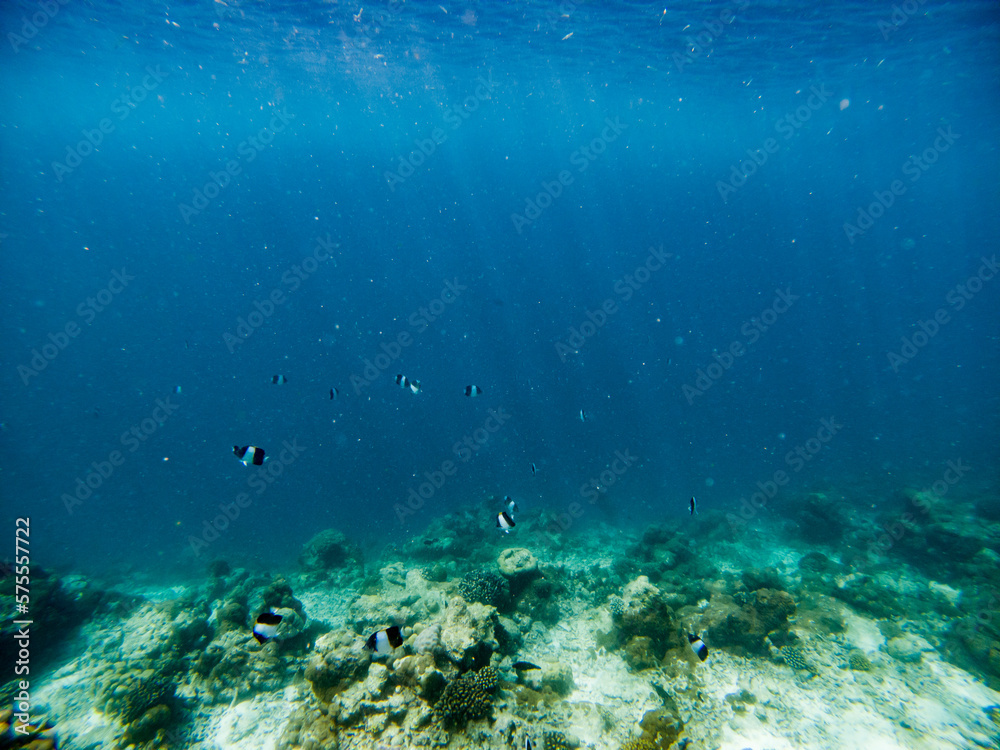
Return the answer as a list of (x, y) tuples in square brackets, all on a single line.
[(553, 679), (468, 635), (858, 661), (768, 578), (906, 648), (468, 696), (143, 703), (517, 562), (639, 653), (485, 588), (133, 698), (824, 518), (552, 740), (328, 551), (816, 562), (540, 600), (865, 595), (58, 606), (795, 658), (336, 662), (647, 614), (762, 620), (660, 729), (519, 567), (309, 728)]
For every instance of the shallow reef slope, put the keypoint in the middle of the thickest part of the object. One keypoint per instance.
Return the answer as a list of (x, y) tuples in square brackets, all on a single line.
[(570, 639)]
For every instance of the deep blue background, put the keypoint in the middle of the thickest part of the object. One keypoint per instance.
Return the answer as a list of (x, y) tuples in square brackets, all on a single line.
[(361, 91)]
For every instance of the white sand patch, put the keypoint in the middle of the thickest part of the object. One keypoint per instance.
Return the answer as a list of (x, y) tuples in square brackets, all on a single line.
[(862, 633), (254, 724)]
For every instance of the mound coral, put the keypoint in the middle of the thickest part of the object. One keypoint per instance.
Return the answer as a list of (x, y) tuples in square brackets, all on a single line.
[(660, 729), (516, 562), (468, 696)]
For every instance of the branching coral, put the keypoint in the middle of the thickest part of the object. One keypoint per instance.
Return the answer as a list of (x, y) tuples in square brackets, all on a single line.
[(469, 696), (857, 661), (486, 588), (795, 657), (555, 741)]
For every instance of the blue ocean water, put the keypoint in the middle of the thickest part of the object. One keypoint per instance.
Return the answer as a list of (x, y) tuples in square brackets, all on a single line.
[(741, 238)]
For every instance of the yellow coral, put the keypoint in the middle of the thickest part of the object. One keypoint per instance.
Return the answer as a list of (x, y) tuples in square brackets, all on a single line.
[(857, 661)]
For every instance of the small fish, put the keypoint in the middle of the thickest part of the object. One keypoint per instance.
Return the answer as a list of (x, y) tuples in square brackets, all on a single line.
[(384, 641), (511, 505), (249, 454), (698, 646), (505, 522), (534, 470), (583, 415), (278, 380), (523, 665), (567, 36), (177, 389), (266, 626), (334, 393), (694, 506), (404, 382), (473, 390)]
